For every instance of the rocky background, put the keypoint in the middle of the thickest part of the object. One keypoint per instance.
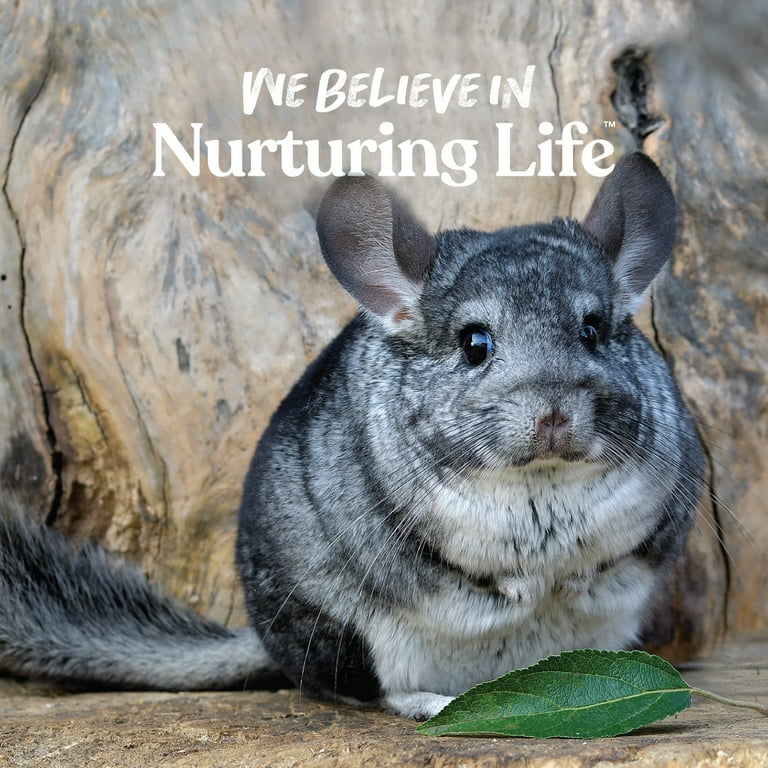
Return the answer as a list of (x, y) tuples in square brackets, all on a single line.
[(150, 325)]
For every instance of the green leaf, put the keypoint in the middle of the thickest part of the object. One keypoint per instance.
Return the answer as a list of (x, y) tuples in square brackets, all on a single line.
[(578, 694)]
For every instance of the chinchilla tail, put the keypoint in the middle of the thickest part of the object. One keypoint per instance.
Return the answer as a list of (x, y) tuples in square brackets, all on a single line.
[(71, 616)]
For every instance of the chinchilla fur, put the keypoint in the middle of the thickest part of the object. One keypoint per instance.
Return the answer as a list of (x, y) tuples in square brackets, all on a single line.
[(490, 464)]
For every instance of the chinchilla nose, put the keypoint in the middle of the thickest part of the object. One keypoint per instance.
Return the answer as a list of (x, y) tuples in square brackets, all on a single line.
[(552, 428)]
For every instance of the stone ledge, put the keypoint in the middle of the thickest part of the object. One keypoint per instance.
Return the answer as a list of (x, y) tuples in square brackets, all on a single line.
[(284, 730)]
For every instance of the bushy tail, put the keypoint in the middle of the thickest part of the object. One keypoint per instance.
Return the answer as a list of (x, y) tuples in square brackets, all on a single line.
[(72, 616)]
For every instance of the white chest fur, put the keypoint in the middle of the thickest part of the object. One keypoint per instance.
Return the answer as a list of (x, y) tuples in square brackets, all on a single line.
[(549, 519), (556, 542)]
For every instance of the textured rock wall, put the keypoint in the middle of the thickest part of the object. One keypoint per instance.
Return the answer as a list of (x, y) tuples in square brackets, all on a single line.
[(150, 325)]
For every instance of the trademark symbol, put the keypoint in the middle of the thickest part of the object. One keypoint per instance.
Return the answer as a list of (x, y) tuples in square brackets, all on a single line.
[(609, 123)]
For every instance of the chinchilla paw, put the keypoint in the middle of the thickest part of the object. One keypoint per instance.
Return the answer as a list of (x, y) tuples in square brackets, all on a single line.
[(576, 584), (524, 590)]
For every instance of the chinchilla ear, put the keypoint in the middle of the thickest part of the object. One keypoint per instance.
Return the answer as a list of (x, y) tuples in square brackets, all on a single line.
[(374, 247), (634, 218)]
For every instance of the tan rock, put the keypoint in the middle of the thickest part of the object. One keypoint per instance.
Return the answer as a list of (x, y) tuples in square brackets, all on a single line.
[(151, 325), (283, 730)]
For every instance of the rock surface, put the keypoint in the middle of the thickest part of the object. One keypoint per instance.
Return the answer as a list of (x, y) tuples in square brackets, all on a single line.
[(150, 325), (283, 730)]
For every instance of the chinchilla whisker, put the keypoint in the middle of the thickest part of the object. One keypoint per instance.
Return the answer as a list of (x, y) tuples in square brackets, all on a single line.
[(655, 465), (700, 519), (656, 469), (403, 527), (309, 646), (363, 516), (407, 524), (402, 530), (724, 508), (713, 445)]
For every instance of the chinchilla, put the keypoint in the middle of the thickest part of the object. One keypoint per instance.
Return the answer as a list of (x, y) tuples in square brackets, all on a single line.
[(488, 465)]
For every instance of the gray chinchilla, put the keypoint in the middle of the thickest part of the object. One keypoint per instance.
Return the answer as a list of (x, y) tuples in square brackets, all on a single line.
[(490, 464)]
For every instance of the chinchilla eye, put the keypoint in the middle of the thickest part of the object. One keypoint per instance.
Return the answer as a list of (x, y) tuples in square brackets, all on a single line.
[(589, 332), (477, 344)]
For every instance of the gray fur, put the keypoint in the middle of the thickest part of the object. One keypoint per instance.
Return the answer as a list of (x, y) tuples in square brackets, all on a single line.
[(407, 530), (414, 522), (76, 617)]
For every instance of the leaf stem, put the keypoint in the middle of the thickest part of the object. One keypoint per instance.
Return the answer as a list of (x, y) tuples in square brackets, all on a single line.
[(731, 702)]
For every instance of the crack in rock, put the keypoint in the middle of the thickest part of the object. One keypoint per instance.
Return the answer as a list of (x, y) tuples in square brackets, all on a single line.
[(630, 98), (710, 492), (56, 456)]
